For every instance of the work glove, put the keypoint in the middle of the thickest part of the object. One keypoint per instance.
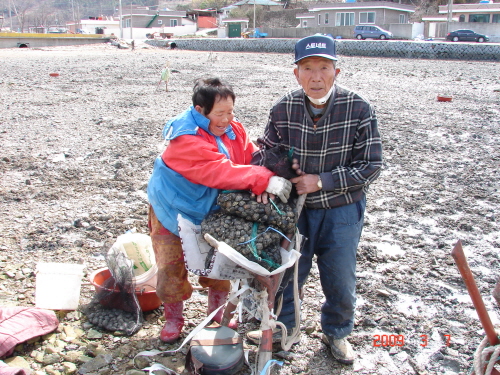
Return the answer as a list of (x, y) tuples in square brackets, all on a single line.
[(280, 187)]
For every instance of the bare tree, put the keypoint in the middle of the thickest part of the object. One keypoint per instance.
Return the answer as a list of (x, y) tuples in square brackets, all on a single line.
[(42, 15), (21, 9)]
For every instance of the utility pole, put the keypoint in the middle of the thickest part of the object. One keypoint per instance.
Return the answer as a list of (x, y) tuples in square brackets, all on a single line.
[(254, 1), (73, 9), (450, 14), (10, 14), (131, 37), (121, 22)]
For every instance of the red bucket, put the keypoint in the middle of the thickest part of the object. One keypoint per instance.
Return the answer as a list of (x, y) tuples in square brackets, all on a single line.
[(148, 300)]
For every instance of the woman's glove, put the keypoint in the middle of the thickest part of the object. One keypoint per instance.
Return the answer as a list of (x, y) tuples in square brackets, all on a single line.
[(280, 187)]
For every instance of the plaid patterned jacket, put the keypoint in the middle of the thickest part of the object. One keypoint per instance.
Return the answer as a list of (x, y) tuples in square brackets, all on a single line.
[(344, 146)]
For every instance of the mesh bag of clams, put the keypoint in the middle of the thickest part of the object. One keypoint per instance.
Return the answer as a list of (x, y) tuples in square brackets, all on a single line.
[(253, 229), (114, 306)]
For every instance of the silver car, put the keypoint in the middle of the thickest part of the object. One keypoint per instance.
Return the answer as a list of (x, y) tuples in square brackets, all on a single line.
[(375, 32)]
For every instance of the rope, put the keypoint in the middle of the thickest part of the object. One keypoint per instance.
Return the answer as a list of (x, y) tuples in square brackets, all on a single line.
[(266, 321), (276, 207), (255, 235), (481, 355), (287, 341), (263, 257)]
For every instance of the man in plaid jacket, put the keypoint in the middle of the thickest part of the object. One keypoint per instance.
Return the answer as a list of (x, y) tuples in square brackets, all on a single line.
[(338, 150)]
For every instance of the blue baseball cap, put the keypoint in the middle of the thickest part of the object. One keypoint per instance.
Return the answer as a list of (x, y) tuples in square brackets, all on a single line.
[(315, 45)]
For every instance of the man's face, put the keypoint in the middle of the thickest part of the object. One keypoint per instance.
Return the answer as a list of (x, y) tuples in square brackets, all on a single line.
[(316, 75)]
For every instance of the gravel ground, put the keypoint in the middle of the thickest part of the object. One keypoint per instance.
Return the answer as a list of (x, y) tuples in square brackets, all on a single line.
[(77, 151)]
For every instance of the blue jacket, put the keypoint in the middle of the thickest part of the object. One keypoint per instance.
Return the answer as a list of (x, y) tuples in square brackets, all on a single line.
[(169, 192)]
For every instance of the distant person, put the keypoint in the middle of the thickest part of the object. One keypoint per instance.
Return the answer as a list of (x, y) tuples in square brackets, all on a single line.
[(208, 150), (338, 150)]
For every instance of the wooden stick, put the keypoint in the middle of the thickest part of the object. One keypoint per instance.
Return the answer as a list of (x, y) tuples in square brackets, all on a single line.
[(463, 266), (459, 256)]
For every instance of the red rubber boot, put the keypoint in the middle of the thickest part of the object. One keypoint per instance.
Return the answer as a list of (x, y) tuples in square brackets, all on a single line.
[(218, 298), (175, 321)]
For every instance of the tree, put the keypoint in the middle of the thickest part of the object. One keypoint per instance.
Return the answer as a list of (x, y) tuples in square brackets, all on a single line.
[(21, 8), (42, 15), (210, 4), (248, 13)]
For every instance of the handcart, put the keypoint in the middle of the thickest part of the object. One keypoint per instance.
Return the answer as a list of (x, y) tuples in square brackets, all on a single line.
[(270, 284)]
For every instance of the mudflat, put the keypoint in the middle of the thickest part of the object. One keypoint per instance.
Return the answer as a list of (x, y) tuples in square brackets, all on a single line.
[(77, 150)]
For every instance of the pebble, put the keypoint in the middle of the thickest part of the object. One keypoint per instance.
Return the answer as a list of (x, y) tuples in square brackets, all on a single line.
[(96, 363), (310, 326), (134, 372), (69, 368), (51, 349), (75, 356), (402, 356), (393, 350), (50, 370), (52, 358), (87, 325), (94, 334), (39, 357), (383, 292), (17, 361), (71, 347), (289, 356), (142, 361), (451, 363), (368, 322), (438, 356)]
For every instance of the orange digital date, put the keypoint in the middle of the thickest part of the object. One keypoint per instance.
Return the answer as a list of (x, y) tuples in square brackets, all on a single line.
[(399, 340), (388, 340)]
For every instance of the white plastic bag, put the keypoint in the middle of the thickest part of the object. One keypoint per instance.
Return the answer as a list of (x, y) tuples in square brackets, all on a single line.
[(138, 248), (227, 263)]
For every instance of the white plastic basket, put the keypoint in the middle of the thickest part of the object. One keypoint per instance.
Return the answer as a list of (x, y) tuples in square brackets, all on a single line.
[(58, 285)]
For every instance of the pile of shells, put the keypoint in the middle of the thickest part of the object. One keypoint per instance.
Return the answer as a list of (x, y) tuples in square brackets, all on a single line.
[(114, 320), (279, 215), (251, 228)]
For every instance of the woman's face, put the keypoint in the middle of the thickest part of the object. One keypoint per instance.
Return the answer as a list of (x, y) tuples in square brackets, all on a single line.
[(220, 116)]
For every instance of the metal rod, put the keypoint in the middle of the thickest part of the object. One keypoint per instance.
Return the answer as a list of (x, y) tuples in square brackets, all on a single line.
[(271, 283), (459, 256)]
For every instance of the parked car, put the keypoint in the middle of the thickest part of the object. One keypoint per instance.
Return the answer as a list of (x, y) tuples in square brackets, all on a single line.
[(467, 36), (57, 30), (375, 32)]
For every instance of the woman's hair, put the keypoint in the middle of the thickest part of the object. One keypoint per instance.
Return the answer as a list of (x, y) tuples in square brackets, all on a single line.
[(207, 91)]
